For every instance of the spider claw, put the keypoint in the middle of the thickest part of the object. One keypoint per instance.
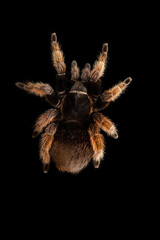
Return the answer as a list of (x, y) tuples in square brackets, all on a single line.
[(53, 37), (96, 164), (74, 64), (113, 132), (46, 168), (35, 134), (20, 85), (87, 65), (105, 47), (128, 80), (115, 135)]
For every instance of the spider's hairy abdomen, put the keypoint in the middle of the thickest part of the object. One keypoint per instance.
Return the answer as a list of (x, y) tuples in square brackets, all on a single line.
[(71, 150)]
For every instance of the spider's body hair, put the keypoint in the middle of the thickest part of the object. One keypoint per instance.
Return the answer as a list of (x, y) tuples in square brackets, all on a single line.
[(74, 71), (86, 73), (100, 64), (40, 89), (57, 55), (45, 145), (71, 136), (97, 142), (51, 115), (105, 124), (71, 150)]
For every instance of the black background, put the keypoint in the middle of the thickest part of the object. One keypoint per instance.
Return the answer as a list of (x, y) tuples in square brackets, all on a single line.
[(82, 41), (81, 30)]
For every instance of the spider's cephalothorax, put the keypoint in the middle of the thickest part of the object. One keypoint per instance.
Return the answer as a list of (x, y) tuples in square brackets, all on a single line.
[(71, 128)]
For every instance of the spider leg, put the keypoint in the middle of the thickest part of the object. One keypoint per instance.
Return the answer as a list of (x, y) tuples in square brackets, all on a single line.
[(105, 124), (100, 64), (116, 91), (93, 87), (44, 119), (93, 78), (111, 94), (74, 71), (97, 142), (60, 85), (57, 54), (45, 145), (39, 89), (59, 64), (85, 76)]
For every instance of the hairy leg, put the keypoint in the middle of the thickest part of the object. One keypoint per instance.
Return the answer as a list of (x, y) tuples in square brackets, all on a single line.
[(100, 64), (59, 64), (39, 89), (61, 85), (74, 71), (111, 94), (44, 119), (116, 91), (45, 145), (105, 124), (57, 54), (93, 87), (85, 76), (97, 142)]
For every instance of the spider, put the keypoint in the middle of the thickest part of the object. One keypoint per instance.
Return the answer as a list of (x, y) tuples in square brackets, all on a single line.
[(71, 128)]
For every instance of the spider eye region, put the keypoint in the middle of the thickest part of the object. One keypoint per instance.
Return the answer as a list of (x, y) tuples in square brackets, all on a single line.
[(79, 87), (76, 104)]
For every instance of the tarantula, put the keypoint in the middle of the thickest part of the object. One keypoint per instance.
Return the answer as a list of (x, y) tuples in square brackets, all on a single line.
[(71, 136)]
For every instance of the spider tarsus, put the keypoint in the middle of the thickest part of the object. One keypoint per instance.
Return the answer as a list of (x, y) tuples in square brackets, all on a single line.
[(46, 168), (53, 37), (20, 85), (96, 164), (88, 66), (74, 64), (86, 72), (128, 80), (74, 71), (105, 47), (35, 134), (115, 135)]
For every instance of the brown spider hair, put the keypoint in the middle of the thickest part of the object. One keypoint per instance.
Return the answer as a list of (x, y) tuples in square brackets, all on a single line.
[(71, 136)]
